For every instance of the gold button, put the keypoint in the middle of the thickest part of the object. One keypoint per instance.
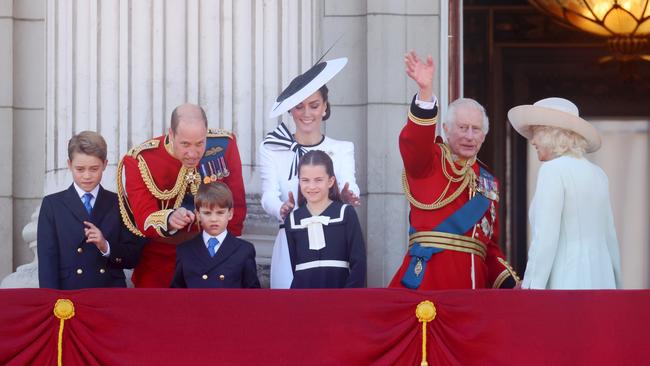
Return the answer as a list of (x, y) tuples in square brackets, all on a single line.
[(101, 270), (118, 260), (222, 277), (80, 271), (80, 250), (205, 277)]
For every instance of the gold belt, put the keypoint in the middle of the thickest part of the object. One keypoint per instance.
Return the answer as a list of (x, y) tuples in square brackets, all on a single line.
[(459, 243)]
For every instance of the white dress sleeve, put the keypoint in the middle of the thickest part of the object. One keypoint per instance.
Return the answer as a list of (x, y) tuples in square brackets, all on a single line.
[(271, 193), (546, 217), (346, 171)]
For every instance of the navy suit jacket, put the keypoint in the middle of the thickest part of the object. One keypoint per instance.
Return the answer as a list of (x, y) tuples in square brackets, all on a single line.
[(233, 266), (65, 260)]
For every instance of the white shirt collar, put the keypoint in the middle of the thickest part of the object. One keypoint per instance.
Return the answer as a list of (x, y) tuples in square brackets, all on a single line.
[(81, 192), (221, 237)]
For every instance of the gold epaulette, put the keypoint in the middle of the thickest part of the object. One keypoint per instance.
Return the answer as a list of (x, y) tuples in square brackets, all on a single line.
[(219, 132), (151, 144)]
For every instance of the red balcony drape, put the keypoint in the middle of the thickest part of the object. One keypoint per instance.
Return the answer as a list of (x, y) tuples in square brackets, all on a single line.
[(325, 327)]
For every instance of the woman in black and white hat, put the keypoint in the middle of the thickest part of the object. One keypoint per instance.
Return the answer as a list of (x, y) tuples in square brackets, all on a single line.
[(306, 99), (574, 243)]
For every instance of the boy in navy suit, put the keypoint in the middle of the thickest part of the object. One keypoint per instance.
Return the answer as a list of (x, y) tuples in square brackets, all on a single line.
[(215, 258), (81, 240)]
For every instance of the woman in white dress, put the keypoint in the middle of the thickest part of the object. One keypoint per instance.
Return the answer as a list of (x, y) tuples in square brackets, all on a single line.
[(574, 243), (306, 99)]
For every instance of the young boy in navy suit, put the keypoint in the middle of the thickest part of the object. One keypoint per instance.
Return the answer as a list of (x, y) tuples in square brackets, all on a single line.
[(215, 258), (81, 241)]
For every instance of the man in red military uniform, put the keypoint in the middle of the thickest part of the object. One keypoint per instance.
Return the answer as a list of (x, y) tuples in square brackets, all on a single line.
[(157, 181), (453, 241)]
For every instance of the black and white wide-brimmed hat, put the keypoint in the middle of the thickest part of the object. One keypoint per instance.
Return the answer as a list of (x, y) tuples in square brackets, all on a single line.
[(553, 112), (306, 84)]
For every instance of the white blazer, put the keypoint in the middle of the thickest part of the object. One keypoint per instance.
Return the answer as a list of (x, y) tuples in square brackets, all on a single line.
[(574, 243)]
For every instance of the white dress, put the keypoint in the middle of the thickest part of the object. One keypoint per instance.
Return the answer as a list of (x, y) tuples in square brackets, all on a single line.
[(275, 171), (574, 243)]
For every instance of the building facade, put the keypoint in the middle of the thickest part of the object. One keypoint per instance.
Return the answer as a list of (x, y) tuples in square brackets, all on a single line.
[(120, 67)]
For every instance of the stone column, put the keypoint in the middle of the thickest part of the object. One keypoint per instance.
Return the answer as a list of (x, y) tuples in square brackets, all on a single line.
[(370, 104), (6, 140), (29, 119), (22, 122)]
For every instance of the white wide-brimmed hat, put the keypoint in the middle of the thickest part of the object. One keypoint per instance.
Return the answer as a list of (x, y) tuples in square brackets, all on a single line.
[(553, 112), (306, 84)]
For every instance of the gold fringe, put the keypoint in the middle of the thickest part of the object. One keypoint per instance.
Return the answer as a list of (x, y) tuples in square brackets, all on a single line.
[(64, 310)]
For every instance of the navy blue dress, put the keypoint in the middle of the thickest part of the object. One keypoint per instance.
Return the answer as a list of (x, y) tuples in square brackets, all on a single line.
[(341, 263)]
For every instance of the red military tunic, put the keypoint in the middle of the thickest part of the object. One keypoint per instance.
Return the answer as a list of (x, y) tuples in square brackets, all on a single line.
[(436, 187), (152, 183)]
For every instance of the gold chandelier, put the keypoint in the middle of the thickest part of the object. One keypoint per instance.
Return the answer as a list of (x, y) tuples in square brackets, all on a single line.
[(625, 23)]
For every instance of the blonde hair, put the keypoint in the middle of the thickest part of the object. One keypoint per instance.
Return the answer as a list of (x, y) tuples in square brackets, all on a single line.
[(559, 141)]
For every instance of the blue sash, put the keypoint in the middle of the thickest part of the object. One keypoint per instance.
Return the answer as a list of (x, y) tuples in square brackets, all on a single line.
[(457, 223)]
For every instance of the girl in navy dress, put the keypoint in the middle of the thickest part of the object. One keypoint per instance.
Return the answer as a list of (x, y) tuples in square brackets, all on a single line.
[(325, 242)]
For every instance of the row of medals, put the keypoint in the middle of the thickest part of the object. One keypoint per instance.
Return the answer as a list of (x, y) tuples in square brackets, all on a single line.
[(215, 173)]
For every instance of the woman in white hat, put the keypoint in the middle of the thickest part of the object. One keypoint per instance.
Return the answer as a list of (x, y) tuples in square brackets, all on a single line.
[(574, 243), (306, 99)]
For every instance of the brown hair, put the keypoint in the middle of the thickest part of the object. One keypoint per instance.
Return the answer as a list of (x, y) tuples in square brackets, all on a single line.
[(211, 195), (89, 143), (328, 110), (319, 157), (176, 120)]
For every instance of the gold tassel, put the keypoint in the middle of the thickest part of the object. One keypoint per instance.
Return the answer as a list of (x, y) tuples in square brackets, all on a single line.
[(64, 310), (425, 312)]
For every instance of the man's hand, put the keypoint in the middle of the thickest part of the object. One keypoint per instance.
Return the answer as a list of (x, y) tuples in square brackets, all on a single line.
[(422, 73), (287, 206), (180, 218), (95, 236), (347, 196)]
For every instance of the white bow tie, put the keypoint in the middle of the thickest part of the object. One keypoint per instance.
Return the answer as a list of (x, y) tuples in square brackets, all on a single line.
[(314, 226)]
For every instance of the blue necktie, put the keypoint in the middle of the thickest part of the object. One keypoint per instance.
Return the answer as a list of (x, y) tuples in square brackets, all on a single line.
[(212, 244), (87, 198)]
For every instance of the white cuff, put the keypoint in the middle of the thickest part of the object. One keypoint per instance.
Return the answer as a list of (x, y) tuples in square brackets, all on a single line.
[(108, 250), (426, 104)]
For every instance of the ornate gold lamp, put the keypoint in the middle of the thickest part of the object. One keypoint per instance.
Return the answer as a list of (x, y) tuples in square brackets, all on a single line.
[(625, 23)]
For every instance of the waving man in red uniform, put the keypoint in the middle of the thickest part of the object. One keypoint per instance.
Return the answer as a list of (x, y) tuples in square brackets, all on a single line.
[(157, 181), (453, 241)]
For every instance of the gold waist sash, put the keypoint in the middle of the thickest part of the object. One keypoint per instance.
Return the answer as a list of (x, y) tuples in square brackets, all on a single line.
[(459, 243)]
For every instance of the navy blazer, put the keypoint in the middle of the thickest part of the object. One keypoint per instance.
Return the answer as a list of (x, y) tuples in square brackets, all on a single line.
[(233, 266), (65, 260)]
